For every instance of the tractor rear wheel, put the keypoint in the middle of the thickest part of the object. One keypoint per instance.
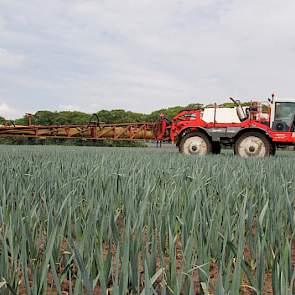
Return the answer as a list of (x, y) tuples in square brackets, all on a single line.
[(195, 143), (253, 144)]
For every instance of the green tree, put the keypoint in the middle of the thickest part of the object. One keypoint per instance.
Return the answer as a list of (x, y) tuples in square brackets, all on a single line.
[(105, 116), (120, 116)]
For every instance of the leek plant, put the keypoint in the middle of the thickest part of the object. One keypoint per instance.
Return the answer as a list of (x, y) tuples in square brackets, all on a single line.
[(140, 221)]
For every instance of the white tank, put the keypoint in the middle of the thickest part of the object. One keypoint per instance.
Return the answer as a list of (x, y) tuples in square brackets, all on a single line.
[(223, 115)]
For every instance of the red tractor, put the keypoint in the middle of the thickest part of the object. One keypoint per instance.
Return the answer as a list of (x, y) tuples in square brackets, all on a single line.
[(253, 131)]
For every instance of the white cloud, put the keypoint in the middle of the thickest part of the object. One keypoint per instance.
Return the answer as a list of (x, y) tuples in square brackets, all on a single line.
[(142, 55), (8, 112), (8, 59), (69, 107)]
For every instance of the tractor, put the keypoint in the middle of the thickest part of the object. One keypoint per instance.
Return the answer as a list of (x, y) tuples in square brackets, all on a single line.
[(252, 131)]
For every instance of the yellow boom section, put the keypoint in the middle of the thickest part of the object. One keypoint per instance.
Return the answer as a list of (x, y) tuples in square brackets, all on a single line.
[(134, 131)]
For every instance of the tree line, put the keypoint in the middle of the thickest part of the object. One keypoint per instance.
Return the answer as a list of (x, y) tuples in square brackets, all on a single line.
[(105, 116)]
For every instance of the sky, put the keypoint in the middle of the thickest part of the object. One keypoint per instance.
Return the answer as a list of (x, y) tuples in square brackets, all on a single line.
[(142, 55)]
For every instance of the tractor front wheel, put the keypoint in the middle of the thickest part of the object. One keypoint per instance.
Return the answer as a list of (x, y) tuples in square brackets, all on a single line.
[(195, 143), (253, 144)]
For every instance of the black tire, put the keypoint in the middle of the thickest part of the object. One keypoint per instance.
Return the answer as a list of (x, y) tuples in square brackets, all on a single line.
[(203, 137), (273, 149), (216, 148), (266, 148)]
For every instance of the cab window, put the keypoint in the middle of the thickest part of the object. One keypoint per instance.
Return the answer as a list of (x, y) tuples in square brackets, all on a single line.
[(284, 115)]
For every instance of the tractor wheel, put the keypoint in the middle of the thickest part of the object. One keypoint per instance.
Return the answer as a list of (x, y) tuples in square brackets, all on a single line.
[(195, 143), (253, 144), (216, 148)]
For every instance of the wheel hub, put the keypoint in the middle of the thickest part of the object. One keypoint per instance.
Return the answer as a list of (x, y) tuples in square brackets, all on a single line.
[(252, 146), (195, 145), (194, 148)]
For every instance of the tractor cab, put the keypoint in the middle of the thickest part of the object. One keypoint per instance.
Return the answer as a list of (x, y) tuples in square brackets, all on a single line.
[(283, 115)]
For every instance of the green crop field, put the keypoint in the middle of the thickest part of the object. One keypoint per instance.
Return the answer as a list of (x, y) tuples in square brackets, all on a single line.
[(80, 220)]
